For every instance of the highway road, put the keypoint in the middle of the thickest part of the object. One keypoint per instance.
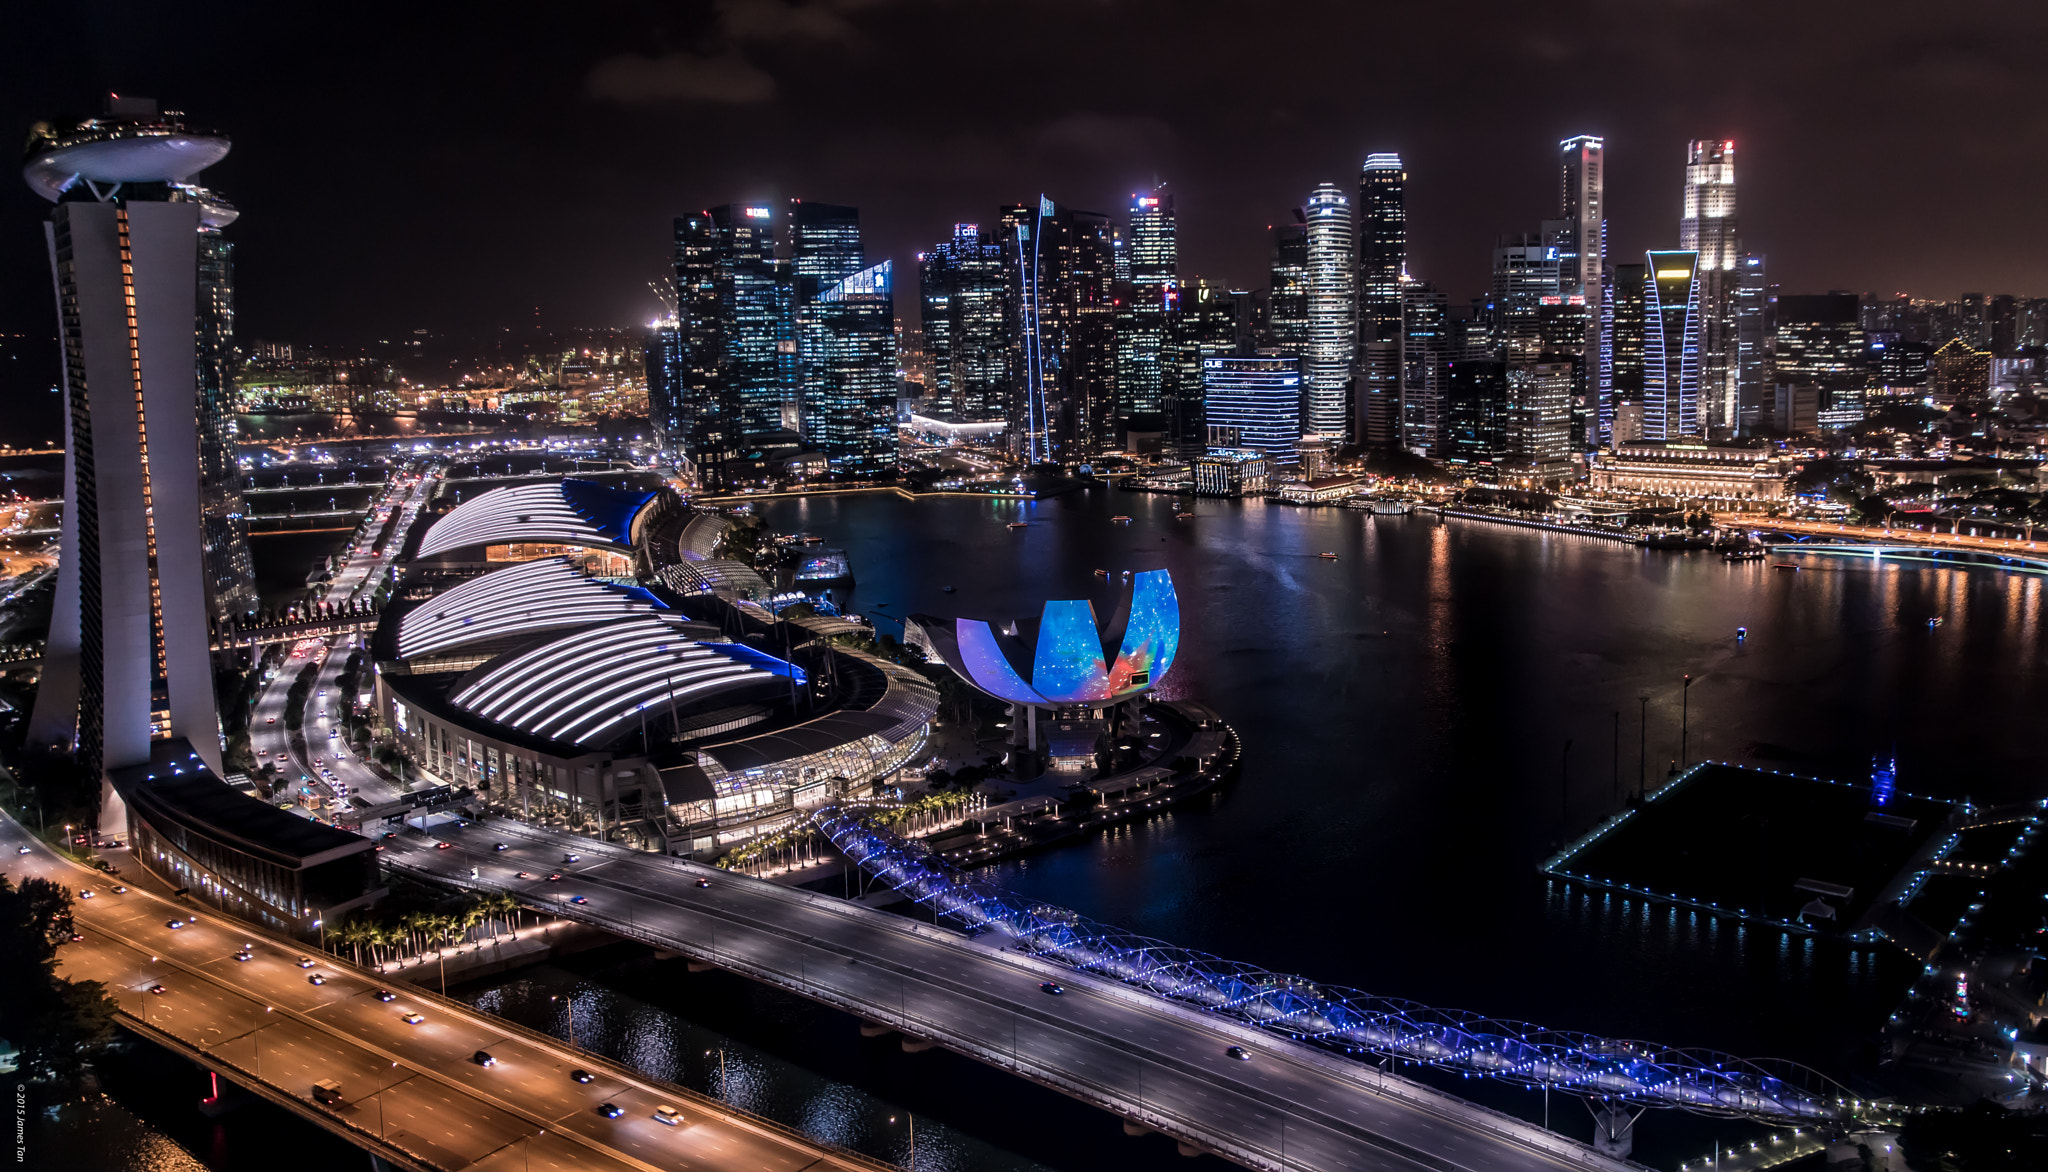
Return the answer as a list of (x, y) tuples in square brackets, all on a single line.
[(1164, 1065), (301, 759), (412, 1087), (1878, 535)]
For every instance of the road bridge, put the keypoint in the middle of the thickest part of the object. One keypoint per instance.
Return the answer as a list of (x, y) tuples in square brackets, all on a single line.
[(408, 1093), (2031, 563), (1161, 1065)]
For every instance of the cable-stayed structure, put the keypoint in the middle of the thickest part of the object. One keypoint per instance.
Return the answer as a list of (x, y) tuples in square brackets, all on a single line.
[(1619, 1073)]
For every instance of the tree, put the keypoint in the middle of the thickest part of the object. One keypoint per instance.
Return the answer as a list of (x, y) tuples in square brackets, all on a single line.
[(58, 1024)]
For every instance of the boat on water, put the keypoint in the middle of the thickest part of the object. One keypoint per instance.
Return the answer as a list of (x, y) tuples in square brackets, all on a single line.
[(1745, 554), (947, 589), (1119, 520), (1327, 556), (1183, 516), (1785, 566), (1018, 524), (1102, 573)]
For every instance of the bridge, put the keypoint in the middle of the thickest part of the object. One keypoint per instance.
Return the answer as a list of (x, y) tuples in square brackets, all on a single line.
[(1122, 1037), (408, 1093), (2030, 563), (1869, 535)]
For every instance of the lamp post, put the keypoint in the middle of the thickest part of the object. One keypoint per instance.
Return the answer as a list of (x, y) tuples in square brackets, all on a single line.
[(571, 999), (1643, 742)]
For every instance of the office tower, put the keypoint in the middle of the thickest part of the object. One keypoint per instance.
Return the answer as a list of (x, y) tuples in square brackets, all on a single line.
[(1898, 367), (1958, 375), (1287, 288), (1059, 268), (1539, 417), (1708, 227), (1425, 348), (1254, 402), (1382, 246), (1145, 302), (1817, 340), (1752, 341), (1208, 321), (1379, 394), (847, 336), (694, 405), (230, 574), (1623, 339), (2002, 324), (1475, 415), (1582, 245), (1525, 275), (736, 324), (1332, 315), (1970, 321), (1672, 324), (962, 287), (824, 246), (128, 658)]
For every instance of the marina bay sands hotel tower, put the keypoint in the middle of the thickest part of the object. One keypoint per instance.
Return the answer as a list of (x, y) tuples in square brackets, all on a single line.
[(128, 658)]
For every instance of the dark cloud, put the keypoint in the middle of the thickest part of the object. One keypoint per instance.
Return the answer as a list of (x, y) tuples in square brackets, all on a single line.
[(468, 167)]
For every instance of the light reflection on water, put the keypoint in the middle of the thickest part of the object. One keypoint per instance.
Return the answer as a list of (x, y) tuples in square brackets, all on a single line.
[(670, 1048)]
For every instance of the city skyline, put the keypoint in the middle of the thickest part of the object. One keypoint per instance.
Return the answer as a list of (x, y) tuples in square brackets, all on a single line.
[(1476, 152)]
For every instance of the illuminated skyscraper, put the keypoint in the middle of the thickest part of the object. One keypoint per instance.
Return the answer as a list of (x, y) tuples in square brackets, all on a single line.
[(1582, 246), (1332, 314), (735, 318), (1287, 292), (1059, 268), (1255, 403), (1708, 227), (824, 246), (1624, 339), (1753, 323), (1425, 350), (695, 407), (128, 658), (962, 288), (230, 574), (1382, 246), (1151, 296), (1672, 296), (847, 336)]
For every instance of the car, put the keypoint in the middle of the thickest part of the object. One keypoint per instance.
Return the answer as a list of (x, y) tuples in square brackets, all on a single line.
[(1239, 1053), (411, 1018), (117, 889), (580, 1075), (333, 733), (391, 834), (610, 1110), (316, 979), (578, 899), (443, 845), (522, 875), (245, 954), (174, 923), (85, 893), (669, 1115), (554, 875), (77, 936), (270, 720), (483, 1058), (305, 962), (157, 989), (703, 882), (285, 805), (572, 858), (21, 850), (498, 846), (323, 691), (1052, 987), (385, 995)]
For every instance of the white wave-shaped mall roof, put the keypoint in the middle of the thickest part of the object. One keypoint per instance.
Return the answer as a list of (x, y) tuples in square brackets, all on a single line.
[(530, 598), (571, 512)]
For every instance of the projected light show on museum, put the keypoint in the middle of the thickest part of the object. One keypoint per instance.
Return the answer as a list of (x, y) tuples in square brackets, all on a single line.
[(1064, 657)]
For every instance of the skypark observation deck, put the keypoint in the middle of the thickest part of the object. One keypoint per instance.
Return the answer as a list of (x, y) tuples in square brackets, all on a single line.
[(679, 722)]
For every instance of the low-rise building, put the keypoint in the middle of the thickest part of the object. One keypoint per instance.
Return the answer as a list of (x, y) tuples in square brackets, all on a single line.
[(1691, 471), (1321, 490), (1232, 472)]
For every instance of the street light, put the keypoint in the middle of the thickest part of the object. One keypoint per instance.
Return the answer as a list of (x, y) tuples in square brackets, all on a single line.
[(1684, 712), (571, 999)]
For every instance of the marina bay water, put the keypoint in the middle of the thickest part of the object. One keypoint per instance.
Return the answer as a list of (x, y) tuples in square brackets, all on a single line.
[(1429, 715)]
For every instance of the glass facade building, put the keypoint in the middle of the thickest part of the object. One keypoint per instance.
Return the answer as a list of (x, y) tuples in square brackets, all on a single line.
[(1382, 246), (1059, 266), (1672, 313), (1623, 338), (849, 372), (1146, 304), (1708, 227), (1287, 288), (230, 575), (1332, 314), (961, 291), (1254, 402)]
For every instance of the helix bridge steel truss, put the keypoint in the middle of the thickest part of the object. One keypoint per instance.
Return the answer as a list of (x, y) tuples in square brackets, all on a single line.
[(1614, 1072)]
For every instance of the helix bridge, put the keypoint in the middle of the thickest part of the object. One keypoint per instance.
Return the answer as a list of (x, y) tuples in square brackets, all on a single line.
[(1615, 1074)]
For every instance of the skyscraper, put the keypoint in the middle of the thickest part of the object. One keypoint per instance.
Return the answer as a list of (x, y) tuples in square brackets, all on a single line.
[(1332, 314), (1525, 275), (1254, 402), (961, 286), (1582, 246), (1425, 351), (1148, 300), (1059, 267), (1382, 246), (1672, 296), (1624, 342), (1287, 289), (847, 336), (1818, 341), (1708, 227), (1208, 320), (1753, 324), (694, 405), (824, 246), (230, 574), (735, 316), (128, 658)]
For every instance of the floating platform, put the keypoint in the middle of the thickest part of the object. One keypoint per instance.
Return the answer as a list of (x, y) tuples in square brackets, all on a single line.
[(1801, 854)]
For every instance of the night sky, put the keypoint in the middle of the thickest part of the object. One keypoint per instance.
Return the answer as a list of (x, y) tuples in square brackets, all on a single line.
[(462, 170)]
